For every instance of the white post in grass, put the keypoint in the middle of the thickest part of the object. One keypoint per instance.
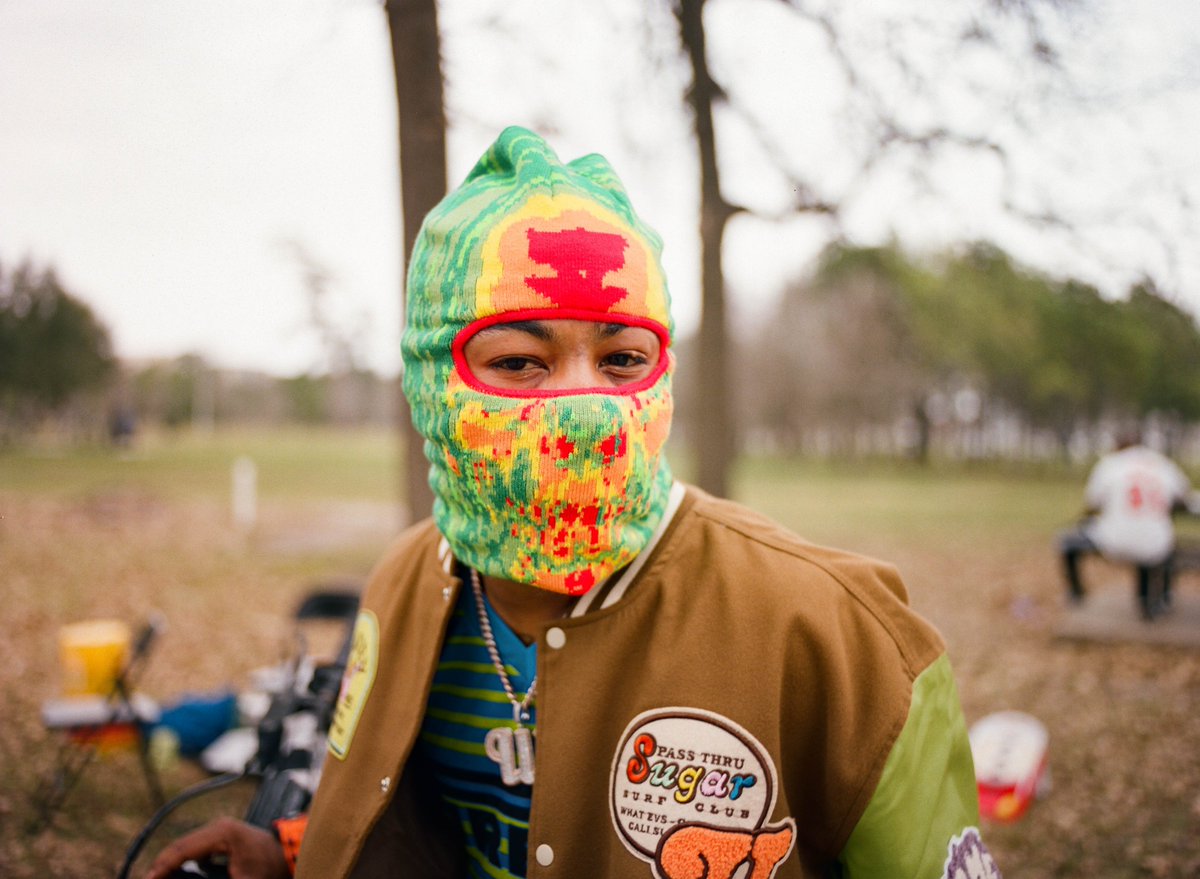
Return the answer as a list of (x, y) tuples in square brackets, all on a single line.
[(245, 493)]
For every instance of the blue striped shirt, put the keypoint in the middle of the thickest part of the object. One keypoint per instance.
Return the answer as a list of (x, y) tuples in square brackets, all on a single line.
[(466, 701)]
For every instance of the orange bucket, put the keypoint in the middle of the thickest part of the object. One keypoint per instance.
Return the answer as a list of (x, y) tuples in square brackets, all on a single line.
[(92, 654)]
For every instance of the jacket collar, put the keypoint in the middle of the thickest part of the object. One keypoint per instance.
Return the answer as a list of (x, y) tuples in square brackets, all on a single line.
[(607, 595)]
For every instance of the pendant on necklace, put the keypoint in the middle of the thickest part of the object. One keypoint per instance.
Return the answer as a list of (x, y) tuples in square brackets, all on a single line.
[(512, 749)]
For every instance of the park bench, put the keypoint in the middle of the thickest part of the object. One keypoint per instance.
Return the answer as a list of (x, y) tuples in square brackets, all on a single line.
[(1154, 592)]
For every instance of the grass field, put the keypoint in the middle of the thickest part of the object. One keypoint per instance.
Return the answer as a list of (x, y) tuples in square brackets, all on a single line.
[(101, 534), (292, 465)]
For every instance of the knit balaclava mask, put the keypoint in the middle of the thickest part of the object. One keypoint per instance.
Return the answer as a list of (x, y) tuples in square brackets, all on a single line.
[(557, 489)]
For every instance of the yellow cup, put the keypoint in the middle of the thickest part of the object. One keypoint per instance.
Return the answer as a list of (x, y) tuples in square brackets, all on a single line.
[(92, 654)]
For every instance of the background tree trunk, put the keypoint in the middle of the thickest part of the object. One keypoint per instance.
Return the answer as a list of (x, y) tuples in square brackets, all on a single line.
[(416, 58), (715, 438)]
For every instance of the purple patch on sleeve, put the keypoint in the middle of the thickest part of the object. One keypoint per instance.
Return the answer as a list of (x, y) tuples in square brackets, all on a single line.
[(968, 858)]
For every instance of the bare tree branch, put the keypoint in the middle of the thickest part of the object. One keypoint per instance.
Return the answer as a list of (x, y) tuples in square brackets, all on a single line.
[(888, 133)]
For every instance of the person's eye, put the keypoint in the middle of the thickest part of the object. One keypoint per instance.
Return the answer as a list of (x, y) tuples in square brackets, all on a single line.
[(514, 364), (626, 360), (626, 367)]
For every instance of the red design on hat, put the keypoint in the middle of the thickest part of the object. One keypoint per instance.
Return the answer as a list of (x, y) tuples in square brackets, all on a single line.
[(581, 258)]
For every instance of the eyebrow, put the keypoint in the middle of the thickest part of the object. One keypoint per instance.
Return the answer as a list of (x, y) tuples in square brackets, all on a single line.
[(534, 328), (539, 330)]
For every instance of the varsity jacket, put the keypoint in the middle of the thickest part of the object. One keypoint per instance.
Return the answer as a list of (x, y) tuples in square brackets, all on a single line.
[(741, 701)]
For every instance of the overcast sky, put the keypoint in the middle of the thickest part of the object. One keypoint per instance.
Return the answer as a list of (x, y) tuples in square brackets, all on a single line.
[(168, 157)]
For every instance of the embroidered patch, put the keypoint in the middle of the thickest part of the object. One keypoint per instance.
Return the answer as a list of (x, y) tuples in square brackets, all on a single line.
[(356, 683), (691, 791), (968, 858)]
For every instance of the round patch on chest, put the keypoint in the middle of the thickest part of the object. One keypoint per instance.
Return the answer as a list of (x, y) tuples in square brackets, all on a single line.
[(684, 765)]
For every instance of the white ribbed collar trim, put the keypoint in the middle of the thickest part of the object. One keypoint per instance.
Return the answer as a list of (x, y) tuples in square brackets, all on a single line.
[(613, 595)]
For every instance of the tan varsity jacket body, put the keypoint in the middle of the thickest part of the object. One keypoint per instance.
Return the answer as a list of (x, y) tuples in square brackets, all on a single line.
[(750, 699)]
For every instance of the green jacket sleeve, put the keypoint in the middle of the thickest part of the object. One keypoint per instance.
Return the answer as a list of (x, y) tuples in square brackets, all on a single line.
[(922, 820)]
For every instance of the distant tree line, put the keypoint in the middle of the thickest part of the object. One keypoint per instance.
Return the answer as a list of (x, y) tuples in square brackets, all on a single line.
[(967, 354), (59, 374), (55, 354), (189, 392)]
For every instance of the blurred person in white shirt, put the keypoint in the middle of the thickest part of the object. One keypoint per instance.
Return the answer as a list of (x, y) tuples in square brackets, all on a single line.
[(1130, 498)]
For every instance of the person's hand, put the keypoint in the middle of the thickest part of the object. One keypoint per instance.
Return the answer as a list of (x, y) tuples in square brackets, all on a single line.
[(249, 852)]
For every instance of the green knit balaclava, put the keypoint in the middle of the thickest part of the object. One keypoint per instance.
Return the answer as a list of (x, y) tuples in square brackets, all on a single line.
[(557, 489)]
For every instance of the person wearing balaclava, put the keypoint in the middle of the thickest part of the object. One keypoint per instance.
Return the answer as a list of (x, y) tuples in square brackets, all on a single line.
[(580, 667), (557, 490)]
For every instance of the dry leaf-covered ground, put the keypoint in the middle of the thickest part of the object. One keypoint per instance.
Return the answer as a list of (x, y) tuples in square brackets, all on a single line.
[(1124, 720), (227, 601)]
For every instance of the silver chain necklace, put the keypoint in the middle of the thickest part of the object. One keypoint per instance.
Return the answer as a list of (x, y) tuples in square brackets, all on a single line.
[(510, 747)]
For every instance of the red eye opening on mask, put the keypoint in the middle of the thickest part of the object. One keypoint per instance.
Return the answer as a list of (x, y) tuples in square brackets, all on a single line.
[(557, 352)]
